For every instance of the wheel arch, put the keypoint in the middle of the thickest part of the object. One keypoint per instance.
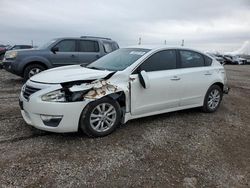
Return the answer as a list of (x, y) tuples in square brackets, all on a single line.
[(33, 63), (120, 97), (220, 84)]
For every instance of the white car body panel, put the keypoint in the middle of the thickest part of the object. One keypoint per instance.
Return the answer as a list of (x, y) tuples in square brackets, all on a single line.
[(169, 90), (70, 73), (161, 94)]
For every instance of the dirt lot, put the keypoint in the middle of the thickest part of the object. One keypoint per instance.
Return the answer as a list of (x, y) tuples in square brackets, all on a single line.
[(180, 149)]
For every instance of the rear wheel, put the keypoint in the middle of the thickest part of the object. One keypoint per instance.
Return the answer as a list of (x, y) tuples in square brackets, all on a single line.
[(100, 117), (32, 70), (212, 99)]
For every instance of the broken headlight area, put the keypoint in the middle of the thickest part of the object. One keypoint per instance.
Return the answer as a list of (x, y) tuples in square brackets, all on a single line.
[(80, 90), (64, 95), (76, 96), (54, 96)]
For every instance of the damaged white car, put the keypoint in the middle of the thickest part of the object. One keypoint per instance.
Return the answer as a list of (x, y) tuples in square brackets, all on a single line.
[(126, 84)]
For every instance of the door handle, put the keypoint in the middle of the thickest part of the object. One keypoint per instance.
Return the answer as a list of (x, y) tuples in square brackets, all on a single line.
[(175, 78), (73, 56)]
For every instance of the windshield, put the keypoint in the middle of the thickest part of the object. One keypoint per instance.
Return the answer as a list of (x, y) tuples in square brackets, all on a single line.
[(119, 59), (46, 45)]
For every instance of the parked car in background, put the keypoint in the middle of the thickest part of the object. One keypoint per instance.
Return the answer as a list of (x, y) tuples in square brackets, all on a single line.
[(235, 60), (218, 57), (58, 52), (2, 51), (247, 57), (126, 84), (15, 47), (19, 47)]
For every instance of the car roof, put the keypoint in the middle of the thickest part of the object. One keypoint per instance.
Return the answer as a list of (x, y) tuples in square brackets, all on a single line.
[(86, 38), (162, 47)]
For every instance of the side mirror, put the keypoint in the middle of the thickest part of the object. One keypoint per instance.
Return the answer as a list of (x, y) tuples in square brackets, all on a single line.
[(144, 80), (55, 49)]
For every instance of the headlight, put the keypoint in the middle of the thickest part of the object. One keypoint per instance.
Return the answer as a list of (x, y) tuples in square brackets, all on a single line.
[(54, 96), (10, 55)]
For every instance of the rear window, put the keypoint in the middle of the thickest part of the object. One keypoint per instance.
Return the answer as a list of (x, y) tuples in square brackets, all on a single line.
[(191, 59), (107, 47)]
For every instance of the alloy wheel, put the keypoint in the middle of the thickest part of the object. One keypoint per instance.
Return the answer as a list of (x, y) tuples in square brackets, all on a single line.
[(34, 71), (214, 99), (103, 117)]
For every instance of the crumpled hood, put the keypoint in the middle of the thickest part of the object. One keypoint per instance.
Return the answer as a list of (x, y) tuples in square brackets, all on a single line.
[(68, 74)]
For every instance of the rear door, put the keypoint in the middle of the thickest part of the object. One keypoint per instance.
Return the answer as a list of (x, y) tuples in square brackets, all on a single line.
[(89, 51), (164, 90), (67, 54), (196, 76)]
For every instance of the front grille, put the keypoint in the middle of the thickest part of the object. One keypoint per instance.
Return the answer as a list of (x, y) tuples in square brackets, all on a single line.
[(29, 91)]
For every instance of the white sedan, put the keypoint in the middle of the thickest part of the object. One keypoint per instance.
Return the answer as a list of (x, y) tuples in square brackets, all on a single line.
[(127, 84)]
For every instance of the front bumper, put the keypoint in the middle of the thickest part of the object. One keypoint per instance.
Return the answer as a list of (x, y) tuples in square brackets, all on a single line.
[(33, 109), (7, 65), (11, 66)]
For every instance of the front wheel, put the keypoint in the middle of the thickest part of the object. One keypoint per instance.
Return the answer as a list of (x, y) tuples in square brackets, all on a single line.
[(100, 118), (32, 70), (212, 99)]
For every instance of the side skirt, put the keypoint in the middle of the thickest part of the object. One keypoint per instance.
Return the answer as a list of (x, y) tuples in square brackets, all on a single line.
[(129, 116)]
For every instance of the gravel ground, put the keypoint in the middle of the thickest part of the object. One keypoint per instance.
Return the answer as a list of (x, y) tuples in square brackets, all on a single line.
[(181, 149)]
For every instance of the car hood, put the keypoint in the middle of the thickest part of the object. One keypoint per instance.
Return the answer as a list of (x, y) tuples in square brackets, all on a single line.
[(69, 74)]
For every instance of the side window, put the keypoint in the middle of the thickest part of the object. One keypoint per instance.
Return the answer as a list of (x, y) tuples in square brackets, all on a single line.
[(67, 46), (115, 46), (88, 46), (208, 61), (107, 47), (191, 59), (163, 60)]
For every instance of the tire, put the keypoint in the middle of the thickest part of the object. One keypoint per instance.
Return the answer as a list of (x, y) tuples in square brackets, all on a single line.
[(93, 121), (212, 99), (31, 70)]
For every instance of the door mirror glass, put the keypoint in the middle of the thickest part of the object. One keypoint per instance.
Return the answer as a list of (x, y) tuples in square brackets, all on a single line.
[(143, 78), (55, 49)]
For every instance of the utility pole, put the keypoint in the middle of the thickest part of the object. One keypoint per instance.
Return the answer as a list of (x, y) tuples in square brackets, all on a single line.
[(165, 42), (182, 42), (139, 41), (32, 43)]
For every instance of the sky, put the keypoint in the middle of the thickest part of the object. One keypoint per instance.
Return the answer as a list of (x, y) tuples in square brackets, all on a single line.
[(209, 25)]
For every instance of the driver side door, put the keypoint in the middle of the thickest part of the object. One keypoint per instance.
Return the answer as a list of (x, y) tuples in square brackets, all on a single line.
[(164, 89), (66, 55)]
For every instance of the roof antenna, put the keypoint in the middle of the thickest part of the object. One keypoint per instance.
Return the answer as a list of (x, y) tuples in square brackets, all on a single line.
[(182, 42), (139, 41)]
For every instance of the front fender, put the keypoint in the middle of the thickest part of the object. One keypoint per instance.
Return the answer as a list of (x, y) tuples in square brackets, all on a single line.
[(24, 62)]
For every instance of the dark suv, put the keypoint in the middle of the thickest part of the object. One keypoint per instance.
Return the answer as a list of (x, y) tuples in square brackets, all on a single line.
[(57, 52)]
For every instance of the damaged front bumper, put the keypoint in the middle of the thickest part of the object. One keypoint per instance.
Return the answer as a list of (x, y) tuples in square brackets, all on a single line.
[(51, 116)]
